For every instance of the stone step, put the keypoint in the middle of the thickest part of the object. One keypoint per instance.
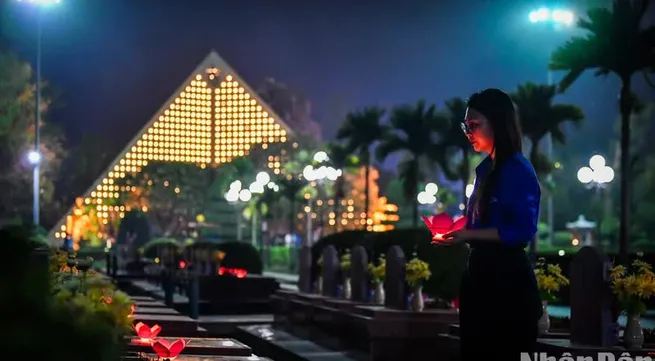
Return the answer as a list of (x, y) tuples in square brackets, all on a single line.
[(278, 344), (198, 346), (222, 325)]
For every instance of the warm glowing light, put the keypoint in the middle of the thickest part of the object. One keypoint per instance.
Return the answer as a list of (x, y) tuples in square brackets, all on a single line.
[(169, 350), (238, 272), (442, 223), (145, 333), (213, 119)]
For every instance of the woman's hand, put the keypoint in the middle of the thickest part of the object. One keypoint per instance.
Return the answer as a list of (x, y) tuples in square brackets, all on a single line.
[(459, 236)]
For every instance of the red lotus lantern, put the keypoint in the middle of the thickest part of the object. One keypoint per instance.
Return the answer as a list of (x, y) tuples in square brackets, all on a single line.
[(442, 223), (145, 333), (237, 272), (169, 350)]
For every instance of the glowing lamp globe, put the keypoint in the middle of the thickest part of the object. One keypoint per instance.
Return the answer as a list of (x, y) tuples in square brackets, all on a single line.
[(585, 175), (34, 157), (442, 223)]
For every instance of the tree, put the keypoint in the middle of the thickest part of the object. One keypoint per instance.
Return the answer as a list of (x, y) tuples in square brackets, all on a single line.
[(540, 117), (454, 151), (359, 131), (17, 138), (616, 43), (411, 132), (290, 187), (82, 166), (172, 194)]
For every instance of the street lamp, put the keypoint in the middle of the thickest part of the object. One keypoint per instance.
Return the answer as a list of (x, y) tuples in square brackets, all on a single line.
[(429, 195), (553, 17), (597, 176), (237, 194), (34, 156)]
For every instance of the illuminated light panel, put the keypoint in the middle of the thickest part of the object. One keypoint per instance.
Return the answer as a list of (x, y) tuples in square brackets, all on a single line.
[(213, 117)]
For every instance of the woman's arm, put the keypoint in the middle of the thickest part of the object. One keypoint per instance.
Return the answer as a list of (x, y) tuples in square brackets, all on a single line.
[(517, 209)]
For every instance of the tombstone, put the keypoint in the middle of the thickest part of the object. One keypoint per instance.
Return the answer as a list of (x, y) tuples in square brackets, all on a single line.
[(305, 271), (394, 280), (330, 271), (359, 274), (591, 299)]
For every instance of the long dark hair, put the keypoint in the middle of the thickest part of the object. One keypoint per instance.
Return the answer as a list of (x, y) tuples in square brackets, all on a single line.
[(501, 112)]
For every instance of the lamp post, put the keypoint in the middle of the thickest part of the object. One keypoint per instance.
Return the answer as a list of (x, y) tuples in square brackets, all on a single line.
[(34, 156), (554, 18), (318, 176), (315, 176), (596, 176)]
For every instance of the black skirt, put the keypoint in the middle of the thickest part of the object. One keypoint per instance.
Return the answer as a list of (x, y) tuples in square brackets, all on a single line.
[(499, 304)]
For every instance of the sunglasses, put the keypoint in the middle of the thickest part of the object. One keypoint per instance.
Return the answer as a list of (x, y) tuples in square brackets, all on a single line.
[(470, 128)]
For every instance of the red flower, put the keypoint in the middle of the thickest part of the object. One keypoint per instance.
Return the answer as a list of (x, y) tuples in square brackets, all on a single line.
[(443, 223), (168, 350), (146, 333)]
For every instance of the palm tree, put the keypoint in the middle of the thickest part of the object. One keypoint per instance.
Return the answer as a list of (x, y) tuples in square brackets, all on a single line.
[(290, 187), (360, 130), (411, 132), (453, 144), (615, 43), (341, 159), (540, 117)]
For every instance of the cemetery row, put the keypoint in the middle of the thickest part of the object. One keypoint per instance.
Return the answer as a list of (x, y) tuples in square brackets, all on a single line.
[(378, 307)]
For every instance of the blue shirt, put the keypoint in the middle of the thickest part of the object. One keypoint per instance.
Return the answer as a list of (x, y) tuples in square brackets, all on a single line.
[(514, 202)]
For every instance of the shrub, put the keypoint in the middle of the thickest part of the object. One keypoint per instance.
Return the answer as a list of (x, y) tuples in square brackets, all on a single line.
[(150, 249), (55, 311), (136, 224), (241, 255)]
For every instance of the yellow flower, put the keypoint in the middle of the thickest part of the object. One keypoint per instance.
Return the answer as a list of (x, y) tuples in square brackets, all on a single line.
[(345, 263), (633, 286), (377, 272), (416, 272), (549, 279)]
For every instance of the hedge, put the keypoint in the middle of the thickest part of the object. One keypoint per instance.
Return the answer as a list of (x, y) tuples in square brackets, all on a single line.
[(237, 254)]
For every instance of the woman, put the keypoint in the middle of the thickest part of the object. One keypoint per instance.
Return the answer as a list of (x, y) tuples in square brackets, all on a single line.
[(499, 300)]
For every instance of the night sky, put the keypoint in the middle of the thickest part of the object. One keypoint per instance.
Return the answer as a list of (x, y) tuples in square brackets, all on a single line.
[(116, 61)]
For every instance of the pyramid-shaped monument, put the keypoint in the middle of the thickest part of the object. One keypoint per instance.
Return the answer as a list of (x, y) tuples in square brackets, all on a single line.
[(211, 118)]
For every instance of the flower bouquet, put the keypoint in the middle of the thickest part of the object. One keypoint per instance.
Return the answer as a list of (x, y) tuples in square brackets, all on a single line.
[(441, 224), (549, 280), (378, 271), (633, 286), (417, 271)]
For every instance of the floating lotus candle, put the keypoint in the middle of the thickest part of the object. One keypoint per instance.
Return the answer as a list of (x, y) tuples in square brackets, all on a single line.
[(441, 224), (146, 334), (169, 350)]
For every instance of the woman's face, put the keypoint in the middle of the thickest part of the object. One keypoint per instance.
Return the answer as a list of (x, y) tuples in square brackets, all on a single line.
[(478, 131)]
